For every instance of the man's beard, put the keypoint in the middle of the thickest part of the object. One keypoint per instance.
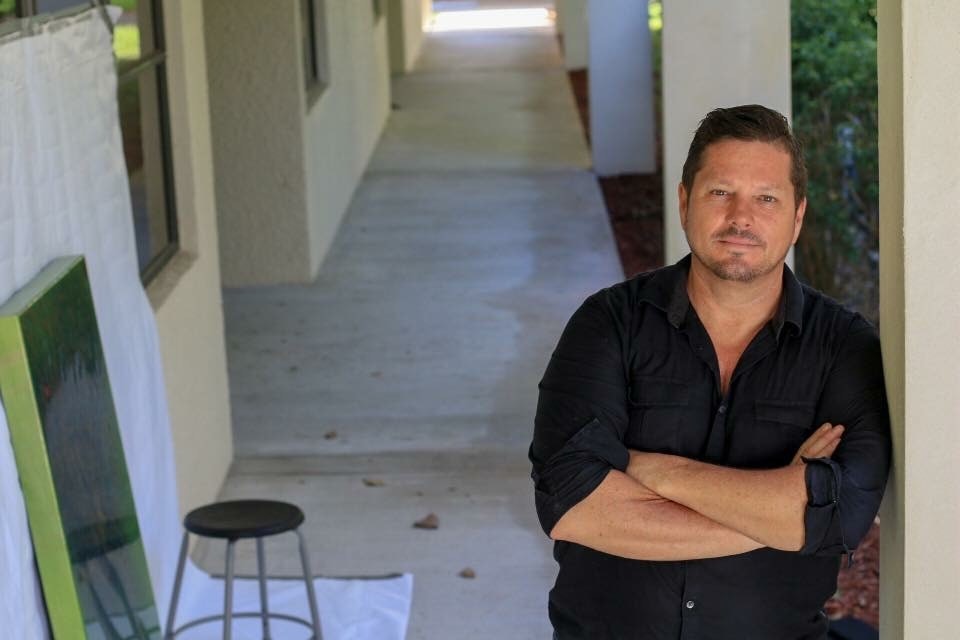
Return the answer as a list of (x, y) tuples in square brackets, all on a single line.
[(732, 268)]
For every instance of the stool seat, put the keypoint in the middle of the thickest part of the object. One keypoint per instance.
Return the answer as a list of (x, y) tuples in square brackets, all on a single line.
[(235, 519)]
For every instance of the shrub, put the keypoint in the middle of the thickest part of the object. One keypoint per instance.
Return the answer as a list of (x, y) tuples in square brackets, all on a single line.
[(834, 51)]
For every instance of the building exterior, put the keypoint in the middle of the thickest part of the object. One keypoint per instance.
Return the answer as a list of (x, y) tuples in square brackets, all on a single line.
[(273, 110)]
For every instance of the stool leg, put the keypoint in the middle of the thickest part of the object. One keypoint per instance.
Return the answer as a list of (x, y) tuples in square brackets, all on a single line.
[(262, 576), (308, 578), (172, 613), (228, 592)]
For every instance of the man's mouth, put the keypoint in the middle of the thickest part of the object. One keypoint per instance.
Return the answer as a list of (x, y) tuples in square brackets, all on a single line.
[(740, 239)]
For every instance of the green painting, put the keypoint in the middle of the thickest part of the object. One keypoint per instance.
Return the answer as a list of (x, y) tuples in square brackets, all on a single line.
[(63, 427)]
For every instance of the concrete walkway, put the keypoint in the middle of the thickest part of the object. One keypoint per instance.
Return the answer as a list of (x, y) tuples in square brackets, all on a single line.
[(476, 232)]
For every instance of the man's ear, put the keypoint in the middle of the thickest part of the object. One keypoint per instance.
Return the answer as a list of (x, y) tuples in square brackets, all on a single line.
[(682, 197), (798, 220)]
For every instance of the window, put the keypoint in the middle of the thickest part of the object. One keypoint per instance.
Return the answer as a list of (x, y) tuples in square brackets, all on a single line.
[(142, 104), (8, 10), (314, 44), (141, 88)]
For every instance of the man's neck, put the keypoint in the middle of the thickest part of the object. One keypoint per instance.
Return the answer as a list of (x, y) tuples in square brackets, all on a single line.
[(733, 312)]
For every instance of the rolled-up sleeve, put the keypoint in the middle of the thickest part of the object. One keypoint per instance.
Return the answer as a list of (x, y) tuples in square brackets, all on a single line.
[(581, 413), (844, 491)]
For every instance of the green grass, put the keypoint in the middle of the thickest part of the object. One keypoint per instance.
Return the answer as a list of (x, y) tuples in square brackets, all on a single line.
[(7, 6)]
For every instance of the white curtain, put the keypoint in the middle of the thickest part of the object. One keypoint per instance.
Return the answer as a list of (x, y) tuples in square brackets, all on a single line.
[(63, 191)]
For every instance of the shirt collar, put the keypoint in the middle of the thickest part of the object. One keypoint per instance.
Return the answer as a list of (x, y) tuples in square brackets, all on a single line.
[(667, 290)]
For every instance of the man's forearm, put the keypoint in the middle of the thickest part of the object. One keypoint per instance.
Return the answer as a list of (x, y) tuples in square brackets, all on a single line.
[(622, 518), (765, 505)]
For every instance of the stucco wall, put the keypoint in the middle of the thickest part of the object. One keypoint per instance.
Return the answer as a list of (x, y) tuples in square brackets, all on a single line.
[(716, 54), (406, 20), (919, 76), (573, 24), (257, 106), (286, 166), (343, 126), (186, 294)]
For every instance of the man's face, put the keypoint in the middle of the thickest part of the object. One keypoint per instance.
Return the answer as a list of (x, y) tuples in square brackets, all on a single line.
[(739, 217)]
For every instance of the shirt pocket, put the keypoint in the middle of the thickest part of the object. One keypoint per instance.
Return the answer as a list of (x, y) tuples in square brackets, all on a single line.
[(658, 409), (781, 427)]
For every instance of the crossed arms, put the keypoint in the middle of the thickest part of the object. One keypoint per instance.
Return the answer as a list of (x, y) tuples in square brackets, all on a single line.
[(592, 491), (672, 508)]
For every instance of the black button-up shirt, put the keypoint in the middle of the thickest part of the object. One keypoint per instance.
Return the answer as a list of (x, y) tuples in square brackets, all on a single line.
[(635, 369)]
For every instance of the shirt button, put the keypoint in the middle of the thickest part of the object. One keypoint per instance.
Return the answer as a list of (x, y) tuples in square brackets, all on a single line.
[(691, 604)]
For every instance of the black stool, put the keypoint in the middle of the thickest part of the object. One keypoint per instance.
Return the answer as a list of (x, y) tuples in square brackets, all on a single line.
[(232, 521)]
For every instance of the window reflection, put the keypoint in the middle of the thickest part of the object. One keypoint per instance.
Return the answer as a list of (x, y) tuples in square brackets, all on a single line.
[(52, 6), (133, 39), (8, 9), (142, 148)]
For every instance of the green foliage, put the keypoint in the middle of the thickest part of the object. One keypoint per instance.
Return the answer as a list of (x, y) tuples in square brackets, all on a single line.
[(834, 47), (655, 13)]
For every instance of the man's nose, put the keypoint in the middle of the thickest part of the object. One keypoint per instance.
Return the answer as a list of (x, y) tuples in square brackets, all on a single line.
[(740, 212)]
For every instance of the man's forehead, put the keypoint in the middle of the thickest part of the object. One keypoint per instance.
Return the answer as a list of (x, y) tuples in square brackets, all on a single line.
[(728, 158)]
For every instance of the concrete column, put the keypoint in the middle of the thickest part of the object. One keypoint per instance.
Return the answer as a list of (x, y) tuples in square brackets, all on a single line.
[(621, 88), (919, 73), (716, 54), (572, 24)]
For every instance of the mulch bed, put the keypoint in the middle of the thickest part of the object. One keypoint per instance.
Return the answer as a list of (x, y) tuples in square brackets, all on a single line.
[(635, 206)]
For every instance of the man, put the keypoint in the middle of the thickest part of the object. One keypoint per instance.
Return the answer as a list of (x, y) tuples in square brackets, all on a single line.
[(712, 437)]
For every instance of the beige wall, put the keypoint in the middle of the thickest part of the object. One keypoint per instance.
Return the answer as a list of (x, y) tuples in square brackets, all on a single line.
[(716, 54), (572, 23), (286, 166), (256, 103), (919, 75), (406, 19), (344, 125), (186, 294)]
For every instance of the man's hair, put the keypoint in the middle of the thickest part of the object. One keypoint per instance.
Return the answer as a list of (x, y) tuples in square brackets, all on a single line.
[(750, 122)]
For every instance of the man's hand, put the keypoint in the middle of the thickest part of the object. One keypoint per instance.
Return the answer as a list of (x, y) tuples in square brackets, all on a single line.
[(821, 444)]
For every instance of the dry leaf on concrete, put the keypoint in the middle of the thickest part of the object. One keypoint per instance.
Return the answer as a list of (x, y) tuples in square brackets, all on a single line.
[(373, 482), (431, 521), (467, 573)]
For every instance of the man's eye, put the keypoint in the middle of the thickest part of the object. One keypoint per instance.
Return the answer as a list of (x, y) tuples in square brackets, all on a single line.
[(718, 192), (769, 199)]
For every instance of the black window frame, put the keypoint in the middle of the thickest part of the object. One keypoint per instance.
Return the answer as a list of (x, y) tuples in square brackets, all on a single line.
[(155, 60)]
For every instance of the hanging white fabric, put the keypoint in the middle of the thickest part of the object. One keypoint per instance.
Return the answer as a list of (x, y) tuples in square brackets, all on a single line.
[(63, 190)]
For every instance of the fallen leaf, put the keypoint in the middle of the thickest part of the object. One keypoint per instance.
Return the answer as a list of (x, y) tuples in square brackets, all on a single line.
[(431, 521), (467, 573), (373, 482), (330, 435)]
